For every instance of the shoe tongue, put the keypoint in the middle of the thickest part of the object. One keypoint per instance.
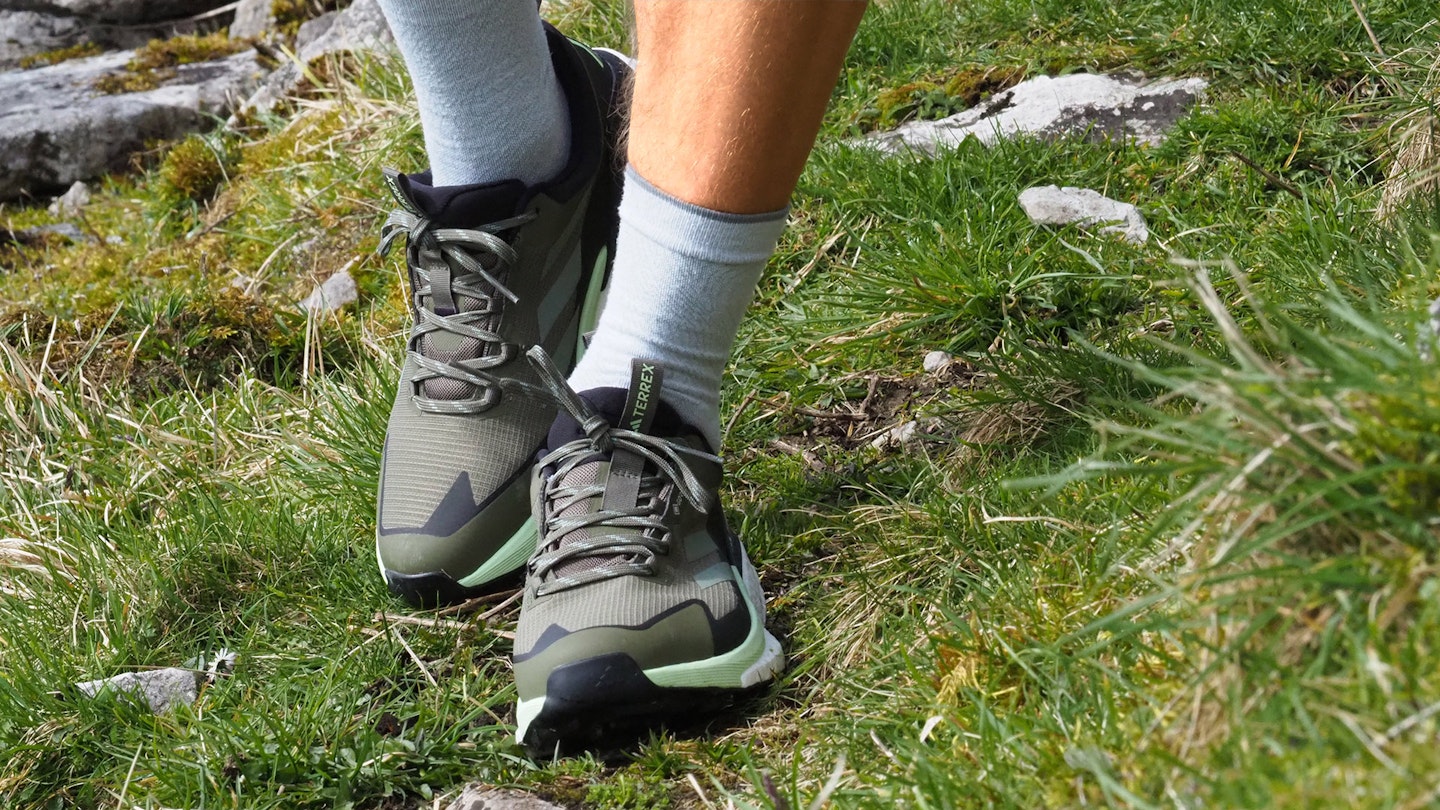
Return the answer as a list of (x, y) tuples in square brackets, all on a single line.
[(638, 408), (458, 207), (463, 206)]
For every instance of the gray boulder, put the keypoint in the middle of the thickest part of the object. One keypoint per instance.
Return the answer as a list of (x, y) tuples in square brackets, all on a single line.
[(27, 33), (1096, 106), (253, 18), (116, 11), (359, 27), (55, 128)]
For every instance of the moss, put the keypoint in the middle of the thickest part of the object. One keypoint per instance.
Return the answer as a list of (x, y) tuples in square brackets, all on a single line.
[(289, 14), (1397, 433), (194, 169), (55, 57), (115, 84), (184, 50), (155, 62), (937, 96)]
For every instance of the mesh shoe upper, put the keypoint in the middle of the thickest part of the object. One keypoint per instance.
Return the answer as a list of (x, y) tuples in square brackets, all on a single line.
[(634, 557), (494, 269)]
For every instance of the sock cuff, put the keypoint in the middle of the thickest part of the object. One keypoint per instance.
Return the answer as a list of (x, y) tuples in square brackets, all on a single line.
[(696, 232)]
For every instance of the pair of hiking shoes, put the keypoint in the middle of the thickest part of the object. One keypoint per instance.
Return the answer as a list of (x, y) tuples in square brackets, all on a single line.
[(640, 604)]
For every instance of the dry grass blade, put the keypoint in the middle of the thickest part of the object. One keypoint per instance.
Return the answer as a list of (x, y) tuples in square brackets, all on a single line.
[(18, 555), (1416, 168)]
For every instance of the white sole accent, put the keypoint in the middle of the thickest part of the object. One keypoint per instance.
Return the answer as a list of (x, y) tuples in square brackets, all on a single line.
[(623, 57), (525, 713)]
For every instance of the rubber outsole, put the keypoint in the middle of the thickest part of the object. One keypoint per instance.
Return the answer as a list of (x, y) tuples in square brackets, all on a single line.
[(437, 589), (607, 703)]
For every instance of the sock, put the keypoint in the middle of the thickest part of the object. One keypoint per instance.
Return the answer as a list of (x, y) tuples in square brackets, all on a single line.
[(490, 105), (683, 278)]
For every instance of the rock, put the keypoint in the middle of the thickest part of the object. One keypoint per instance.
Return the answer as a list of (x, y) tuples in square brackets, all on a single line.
[(897, 436), (1052, 205), (67, 230), (311, 31), (335, 293), (359, 27), (72, 201), (160, 689), (253, 18), (123, 12), (56, 128), (27, 33), (481, 797), (1095, 106), (40, 233), (937, 361)]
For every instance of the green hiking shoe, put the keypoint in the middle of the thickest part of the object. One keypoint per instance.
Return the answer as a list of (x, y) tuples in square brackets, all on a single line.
[(640, 605), (494, 269)]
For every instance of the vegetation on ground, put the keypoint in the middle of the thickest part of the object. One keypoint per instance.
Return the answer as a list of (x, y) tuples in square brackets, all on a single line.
[(1167, 536)]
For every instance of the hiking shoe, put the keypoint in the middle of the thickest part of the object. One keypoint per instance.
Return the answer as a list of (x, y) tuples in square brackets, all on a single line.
[(640, 605), (494, 269)]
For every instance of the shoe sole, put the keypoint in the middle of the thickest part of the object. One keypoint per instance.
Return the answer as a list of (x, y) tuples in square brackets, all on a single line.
[(610, 700)]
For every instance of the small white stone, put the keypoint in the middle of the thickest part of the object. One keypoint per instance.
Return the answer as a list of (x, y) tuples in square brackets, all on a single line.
[(937, 361), (896, 436), (72, 201), (337, 291), (1053, 205), (484, 797), (160, 689)]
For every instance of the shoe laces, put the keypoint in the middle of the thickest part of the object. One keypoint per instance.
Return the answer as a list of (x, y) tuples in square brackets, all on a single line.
[(606, 543), (446, 264)]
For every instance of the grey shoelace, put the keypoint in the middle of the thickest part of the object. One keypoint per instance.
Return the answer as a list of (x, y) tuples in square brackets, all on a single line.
[(625, 541), (445, 267)]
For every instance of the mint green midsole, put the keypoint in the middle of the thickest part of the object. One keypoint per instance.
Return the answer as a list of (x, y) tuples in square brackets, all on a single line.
[(590, 308), (722, 671), (511, 556)]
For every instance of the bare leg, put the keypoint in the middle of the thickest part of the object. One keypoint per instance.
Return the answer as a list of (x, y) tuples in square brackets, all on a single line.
[(729, 95)]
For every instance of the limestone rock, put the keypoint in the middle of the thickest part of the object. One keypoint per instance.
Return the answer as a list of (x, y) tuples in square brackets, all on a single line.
[(334, 294), (253, 18), (160, 689), (72, 201), (1053, 205), (1096, 106), (481, 797), (55, 128), (117, 11), (897, 436), (937, 361), (27, 33), (359, 27)]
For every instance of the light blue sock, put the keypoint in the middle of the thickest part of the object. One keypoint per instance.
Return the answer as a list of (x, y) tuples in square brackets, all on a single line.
[(683, 278), (490, 105)]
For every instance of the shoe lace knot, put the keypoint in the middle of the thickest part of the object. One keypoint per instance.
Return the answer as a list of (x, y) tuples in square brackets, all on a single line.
[(457, 271)]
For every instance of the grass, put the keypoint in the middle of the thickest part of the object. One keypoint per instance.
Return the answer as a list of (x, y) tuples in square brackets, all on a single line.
[(1167, 539)]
